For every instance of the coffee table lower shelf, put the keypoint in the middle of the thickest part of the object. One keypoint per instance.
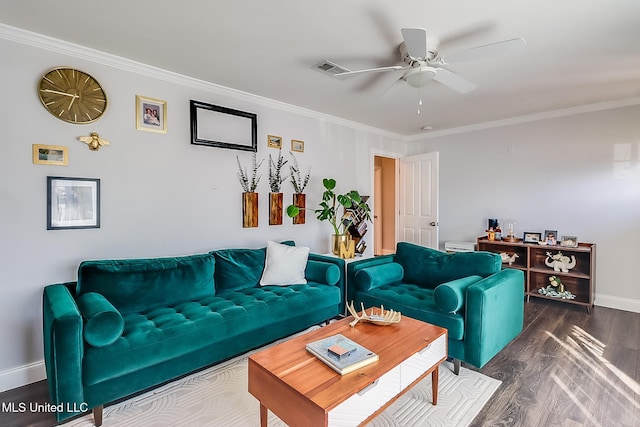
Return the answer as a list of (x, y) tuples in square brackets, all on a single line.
[(302, 391)]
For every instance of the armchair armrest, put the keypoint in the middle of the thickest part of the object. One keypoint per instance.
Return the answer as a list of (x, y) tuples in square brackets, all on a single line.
[(494, 314), (63, 349), (378, 275)]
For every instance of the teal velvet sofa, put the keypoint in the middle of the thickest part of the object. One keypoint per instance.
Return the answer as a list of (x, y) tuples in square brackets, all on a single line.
[(128, 325), (481, 305)]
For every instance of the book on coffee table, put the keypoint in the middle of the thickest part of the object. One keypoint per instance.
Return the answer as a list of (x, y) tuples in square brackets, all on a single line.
[(341, 354)]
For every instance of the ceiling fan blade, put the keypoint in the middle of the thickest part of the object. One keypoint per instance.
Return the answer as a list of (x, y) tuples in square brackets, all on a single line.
[(368, 70), (454, 81), (415, 39), (492, 49)]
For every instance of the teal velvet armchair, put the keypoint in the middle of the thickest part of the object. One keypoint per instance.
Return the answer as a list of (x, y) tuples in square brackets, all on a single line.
[(481, 305)]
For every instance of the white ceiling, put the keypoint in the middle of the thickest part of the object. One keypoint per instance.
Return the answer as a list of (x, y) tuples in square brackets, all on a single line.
[(577, 52)]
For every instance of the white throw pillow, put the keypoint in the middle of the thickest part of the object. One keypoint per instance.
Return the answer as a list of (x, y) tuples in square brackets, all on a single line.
[(284, 265)]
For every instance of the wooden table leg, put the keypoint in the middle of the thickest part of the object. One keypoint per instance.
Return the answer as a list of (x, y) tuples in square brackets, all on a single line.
[(434, 384), (264, 417)]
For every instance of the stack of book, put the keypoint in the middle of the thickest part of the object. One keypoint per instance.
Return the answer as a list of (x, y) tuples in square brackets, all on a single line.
[(341, 354)]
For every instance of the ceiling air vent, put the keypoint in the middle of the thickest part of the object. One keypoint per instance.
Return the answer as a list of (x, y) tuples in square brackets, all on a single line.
[(329, 68)]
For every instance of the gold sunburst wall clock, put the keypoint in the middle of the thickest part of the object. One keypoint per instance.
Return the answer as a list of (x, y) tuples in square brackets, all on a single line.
[(72, 95)]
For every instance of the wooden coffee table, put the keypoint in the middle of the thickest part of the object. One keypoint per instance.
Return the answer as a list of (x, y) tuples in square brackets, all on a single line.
[(302, 391)]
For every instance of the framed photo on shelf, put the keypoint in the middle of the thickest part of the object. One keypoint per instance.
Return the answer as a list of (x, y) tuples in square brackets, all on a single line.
[(73, 203), (50, 155), (274, 141), (297, 145), (530, 237), (569, 241), (151, 114), (551, 237)]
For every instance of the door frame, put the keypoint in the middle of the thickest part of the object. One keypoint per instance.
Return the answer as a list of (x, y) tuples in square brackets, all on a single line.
[(392, 155)]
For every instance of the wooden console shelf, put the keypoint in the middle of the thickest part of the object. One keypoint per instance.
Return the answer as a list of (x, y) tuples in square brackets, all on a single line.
[(580, 280)]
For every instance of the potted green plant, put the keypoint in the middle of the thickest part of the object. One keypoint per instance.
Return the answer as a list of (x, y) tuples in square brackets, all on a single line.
[(329, 211)]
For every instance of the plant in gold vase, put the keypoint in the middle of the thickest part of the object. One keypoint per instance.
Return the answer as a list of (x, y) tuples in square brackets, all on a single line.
[(329, 211), (275, 183), (249, 197), (299, 184)]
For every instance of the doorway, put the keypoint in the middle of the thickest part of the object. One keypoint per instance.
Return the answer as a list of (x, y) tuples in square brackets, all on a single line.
[(385, 173)]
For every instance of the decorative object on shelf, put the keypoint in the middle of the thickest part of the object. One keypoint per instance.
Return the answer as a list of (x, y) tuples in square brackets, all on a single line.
[(550, 291), (299, 184), (569, 241), (556, 283), (530, 237), (382, 318), (560, 262), (274, 141), (50, 155), (151, 114), (275, 183), (216, 126), (94, 141), (511, 235), (73, 203), (297, 145), (72, 95), (249, 196), (494, 232), (328, 211), (508, 258), (551, 237)]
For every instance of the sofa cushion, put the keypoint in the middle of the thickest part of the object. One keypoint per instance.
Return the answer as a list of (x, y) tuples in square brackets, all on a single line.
[(450, 297), (371, 278), (155, 336), (322, 272), (133, 285), (413, 301), (238, 268), (429, 267), (103, 323), (284, 265)]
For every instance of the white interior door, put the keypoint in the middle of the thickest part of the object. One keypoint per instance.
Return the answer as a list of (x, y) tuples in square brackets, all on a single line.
[(418, 213)]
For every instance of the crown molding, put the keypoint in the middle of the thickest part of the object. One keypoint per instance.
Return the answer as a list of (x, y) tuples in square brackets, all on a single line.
[(82, 52), (571, 111)]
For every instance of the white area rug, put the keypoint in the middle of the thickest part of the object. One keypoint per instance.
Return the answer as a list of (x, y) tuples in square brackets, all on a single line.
[(218, 397)]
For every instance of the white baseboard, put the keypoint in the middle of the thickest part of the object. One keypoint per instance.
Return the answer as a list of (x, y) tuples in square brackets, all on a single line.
[(626, 304), (22, 375)]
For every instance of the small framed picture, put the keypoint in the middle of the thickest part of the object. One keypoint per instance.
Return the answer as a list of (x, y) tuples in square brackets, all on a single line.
[(274, 141), (551, 237), (530, 237), (569, 241), (50, 155), (297, 145), (151, 114), (73, 203)]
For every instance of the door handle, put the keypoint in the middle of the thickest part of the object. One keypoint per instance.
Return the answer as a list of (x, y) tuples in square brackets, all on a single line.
[(433, 224)]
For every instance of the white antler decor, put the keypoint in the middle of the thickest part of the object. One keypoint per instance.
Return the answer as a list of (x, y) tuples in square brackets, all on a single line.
[(382, 318)]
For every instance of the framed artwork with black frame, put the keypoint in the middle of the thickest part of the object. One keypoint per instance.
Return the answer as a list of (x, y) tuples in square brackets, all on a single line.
[(73, 203), (217, 126)]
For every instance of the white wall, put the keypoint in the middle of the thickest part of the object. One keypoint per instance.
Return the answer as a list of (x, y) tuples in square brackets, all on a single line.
[(161, 196), (567, 174)]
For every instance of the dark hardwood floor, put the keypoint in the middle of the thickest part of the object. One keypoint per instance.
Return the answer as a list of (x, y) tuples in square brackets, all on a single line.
[(566, 368)]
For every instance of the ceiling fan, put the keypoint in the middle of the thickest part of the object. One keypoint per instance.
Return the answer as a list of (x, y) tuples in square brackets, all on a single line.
[(423, 63)]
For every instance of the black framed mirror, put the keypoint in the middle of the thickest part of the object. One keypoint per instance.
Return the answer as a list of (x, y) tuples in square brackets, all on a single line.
[(216, 126)]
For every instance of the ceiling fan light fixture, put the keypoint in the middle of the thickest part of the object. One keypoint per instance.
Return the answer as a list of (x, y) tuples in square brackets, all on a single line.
[(419, 76)]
